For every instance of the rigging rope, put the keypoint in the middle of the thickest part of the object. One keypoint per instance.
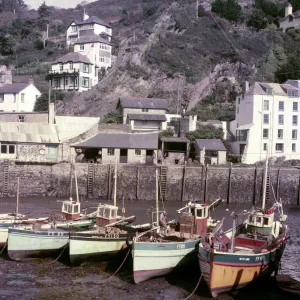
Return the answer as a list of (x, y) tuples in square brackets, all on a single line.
[(193, 292), (129, 250), (65, 246), (3, 248)]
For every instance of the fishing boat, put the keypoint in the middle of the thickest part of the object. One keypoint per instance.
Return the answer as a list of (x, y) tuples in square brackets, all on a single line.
[(288, 284), (233, 259), (156, 254)]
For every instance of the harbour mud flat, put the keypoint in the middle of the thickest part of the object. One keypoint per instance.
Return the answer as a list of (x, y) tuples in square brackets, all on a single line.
[(51, 279)]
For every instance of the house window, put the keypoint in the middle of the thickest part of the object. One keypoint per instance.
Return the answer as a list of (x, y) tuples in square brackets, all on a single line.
[(265, 133), (21, 118), (66, 82), (292, 93), (265, 146), (279, 147), (266, 119), (295, 106), (85, 82), (294, 134), (86, 68), (280, 133), (111, 151), (145, 109), (15, 98), (266, 104), (280, 119), (237, 110), (269, 91), (81, 47), (71, 66), (295, 120), (293, 147), (91, 26), (61, 67), (138, 152), (22, 98), (8, 148), (52, 151), (101, 58), (281, 106), (74, 28), (1, 98)]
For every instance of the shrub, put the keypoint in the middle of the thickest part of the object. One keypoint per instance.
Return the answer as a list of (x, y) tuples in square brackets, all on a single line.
[(112, 117), (258, 19), (228, 9), (205, 132)]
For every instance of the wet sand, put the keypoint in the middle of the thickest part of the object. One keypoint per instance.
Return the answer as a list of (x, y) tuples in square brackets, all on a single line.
[(50, 279)]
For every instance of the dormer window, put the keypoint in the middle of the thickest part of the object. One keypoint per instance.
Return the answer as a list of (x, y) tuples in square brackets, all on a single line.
[(292, 93), (269, 91), (74, 28)]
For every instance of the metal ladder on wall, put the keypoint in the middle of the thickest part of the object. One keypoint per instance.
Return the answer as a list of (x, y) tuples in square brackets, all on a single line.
[(163, 182), (91, 179), (5, 177), (268, 198)]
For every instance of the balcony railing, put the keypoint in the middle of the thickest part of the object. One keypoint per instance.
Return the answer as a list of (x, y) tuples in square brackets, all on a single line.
[(64, 71), (65, 87)]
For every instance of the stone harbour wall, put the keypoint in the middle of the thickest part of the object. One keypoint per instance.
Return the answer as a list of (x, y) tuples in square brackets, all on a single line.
[(137, 182)]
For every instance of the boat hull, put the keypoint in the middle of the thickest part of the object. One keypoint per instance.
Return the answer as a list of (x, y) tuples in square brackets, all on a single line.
[(151, 259), (30, 244), (84, 246), (225, 272)]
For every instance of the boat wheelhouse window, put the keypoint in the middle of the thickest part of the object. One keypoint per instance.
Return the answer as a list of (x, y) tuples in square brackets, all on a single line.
[(113, 213), (65, 207), (193, 211), (266, 221), (70, 209), (76, 209), (258, 219), (251, 219), (200, 213)]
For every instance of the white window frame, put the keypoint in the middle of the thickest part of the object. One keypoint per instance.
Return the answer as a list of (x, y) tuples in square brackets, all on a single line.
[(1, 98), (81, 46), (293, 147), (295, 120), (280, 122), (295, 106), (22, 98), (86, 68), (266, 118), (281, 105), (86, 81), (265, 147), (138, 152), (279, 149), (8, 147), (21, 118), (111, 151), (265, 136), (74, 28), (294, 134), (266, 104), (280, 134)]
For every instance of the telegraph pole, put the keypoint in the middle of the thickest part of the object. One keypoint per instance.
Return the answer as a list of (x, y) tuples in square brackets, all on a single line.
[(197, 8)]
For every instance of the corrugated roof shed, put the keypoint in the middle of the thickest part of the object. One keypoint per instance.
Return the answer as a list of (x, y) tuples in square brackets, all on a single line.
[(13, 88), (121, 141), (73, 57), (28, 133), (211, 144), (69, 127), (150, 103), (147, 117)]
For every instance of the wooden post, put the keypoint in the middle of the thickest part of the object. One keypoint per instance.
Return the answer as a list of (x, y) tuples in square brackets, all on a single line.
[(229, 184), (255, 185), (109, 182), (183, 182), (18, 191), (278, 184), (205, 189), (298, 200), (137, 181), (202, 183)]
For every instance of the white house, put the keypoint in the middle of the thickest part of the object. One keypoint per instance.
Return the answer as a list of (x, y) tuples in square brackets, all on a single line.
[(267, 118), (290, 20), (73, 71), (18, 97), (94, 24), (96, 48)]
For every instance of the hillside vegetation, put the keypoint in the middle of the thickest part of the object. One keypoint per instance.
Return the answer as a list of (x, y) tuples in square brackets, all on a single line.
[(195, 59)]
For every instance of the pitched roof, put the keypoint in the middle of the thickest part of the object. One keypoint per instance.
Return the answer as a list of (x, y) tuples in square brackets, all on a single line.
[(95, 20), (211, 144), (28, 133), (152, 103), (92, 38), (73, 57), (13, 88), (296, 14), (260, 88), (121, 141), (175, 139), (147, 117)]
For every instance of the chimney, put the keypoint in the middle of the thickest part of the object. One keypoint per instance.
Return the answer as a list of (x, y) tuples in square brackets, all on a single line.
[(181, 134), (85, 15), (245, 86), (288, 10), (30, 80), (51, 113)]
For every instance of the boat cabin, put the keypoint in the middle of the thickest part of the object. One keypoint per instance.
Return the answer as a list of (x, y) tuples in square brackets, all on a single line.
[(71, 209), (194, 221), (106, 214), (260, 223)]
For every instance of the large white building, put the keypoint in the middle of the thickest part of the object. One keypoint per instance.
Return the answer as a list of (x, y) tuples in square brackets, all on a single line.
[(18, 97), (267, 118), (91, 24)]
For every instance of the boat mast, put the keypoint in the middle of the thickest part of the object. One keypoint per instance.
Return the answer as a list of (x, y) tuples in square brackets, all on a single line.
[(115, 185), (265, 180), (76, 184), (18, 190), (71, 180), (156, 194), (233, 232)]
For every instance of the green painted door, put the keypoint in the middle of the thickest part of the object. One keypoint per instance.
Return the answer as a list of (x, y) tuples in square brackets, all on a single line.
[(52, 151)]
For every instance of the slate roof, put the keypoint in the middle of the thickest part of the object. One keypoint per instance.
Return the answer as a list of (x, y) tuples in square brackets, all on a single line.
[(211, 144), (121, 141), (146, 117), (152, 103), (13, 88), (74, 57), (92, 38), (28, 133), (93, 20), (260, 88), (296, 14), (175, 139)]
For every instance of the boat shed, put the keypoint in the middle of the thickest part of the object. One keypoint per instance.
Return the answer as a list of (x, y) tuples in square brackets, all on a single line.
[(125, 147)]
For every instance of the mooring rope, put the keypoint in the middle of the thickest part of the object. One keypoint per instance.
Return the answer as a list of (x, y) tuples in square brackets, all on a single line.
[(117, 269), (193, 292), (3, 248), (65, 246)]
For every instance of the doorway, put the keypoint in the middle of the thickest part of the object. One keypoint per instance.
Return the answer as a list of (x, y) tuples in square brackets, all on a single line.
[(123, 156)]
